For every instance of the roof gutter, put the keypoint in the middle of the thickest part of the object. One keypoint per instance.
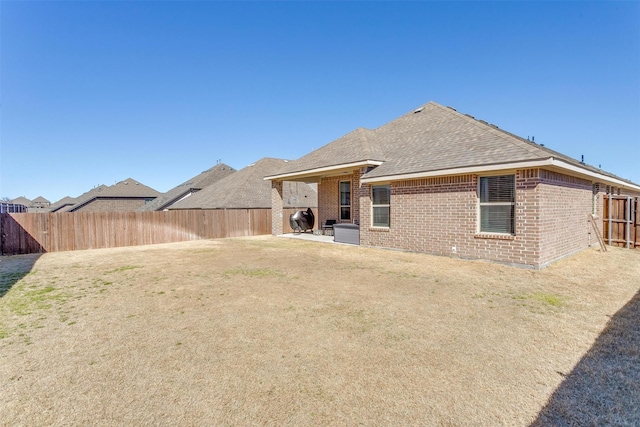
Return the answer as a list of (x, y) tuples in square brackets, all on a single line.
[(549, 162), (321, 171)]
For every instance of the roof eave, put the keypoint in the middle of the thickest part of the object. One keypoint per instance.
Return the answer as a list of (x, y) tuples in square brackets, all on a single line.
[(316, 172), (550, 162)]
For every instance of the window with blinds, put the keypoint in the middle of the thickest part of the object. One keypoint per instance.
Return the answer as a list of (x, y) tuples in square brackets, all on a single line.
[(497, 204)]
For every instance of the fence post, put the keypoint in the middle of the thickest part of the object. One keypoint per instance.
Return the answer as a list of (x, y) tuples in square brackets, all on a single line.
[(627, 215), (610, 221)]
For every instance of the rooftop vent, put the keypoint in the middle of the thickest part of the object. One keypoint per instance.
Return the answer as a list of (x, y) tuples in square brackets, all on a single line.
[(417, 110)]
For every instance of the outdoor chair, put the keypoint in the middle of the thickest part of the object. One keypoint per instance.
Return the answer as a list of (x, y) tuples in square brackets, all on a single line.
[(327, 227)]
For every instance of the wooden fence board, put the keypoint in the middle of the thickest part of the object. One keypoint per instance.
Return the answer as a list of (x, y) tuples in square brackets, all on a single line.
[(621, 213), (53, 231)]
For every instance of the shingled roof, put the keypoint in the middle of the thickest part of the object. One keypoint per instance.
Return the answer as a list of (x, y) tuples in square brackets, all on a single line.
[(358, 146), (429, 141), (21, 201), (40, 200), (197, 183), (247, 189), (83, 198), (125, 189), (65, 201)]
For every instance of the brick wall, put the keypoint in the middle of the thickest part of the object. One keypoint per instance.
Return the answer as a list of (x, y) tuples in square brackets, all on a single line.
[(565, 204), (112, 205), (440, 216), (276, 208), (329, 197)]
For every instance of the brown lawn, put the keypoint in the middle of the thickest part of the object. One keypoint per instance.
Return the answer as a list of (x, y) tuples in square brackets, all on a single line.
[(274, 331)]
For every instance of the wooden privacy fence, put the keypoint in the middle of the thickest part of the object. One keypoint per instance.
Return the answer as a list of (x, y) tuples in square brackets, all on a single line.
[(621, 221), (23, 233)]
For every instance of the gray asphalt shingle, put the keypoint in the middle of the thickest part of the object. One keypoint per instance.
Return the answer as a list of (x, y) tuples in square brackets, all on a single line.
[(197, 183), (430, 138), (247, 189)]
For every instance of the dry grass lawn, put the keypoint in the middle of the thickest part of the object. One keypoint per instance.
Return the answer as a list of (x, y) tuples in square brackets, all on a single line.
[(274, 331)]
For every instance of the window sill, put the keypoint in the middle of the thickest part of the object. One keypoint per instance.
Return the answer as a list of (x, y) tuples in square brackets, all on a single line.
[(383, 229), (494, 236)]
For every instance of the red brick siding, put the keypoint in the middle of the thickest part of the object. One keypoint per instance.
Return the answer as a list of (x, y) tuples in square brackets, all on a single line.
[(329, 197), (440, 216), (276, 208), (436, 215), (566, 203)]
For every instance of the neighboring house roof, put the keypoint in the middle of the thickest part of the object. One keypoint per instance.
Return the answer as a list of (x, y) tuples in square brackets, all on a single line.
[(192, 185), (430, 141), (247, 189), (41, 200), (84, 198), (65, 201), (126, 189), (129, 188), (21, 201)]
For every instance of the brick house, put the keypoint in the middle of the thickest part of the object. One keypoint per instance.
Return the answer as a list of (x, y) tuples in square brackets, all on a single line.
[(125, 196), (441, 182)]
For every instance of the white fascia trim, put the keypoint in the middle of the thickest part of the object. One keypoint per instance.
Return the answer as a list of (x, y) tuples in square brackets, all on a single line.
[(323, 170), (550, 162), (600, 177), (460, 171)]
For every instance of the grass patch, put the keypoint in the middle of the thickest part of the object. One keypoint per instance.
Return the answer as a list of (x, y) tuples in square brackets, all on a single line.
[(4, 333), (533, 301), (9, 279), (123, 268), (252, 272), (29, 301), (402, 274), (548, 299)]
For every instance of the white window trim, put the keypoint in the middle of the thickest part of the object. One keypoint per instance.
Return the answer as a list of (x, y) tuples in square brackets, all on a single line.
[(340, 205), (384, 227), (480, 204)]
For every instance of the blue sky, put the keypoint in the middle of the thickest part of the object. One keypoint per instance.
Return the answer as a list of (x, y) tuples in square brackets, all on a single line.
[(95, 92)]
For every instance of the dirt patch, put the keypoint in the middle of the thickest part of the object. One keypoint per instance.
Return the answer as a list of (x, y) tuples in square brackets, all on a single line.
[(274, 331)]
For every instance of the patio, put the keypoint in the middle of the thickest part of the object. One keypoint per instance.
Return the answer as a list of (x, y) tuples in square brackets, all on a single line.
[(309, 236)]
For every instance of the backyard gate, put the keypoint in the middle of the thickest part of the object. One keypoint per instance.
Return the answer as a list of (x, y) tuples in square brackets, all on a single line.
[(621, 221)]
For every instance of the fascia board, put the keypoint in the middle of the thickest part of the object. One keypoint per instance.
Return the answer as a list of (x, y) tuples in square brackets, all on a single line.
[(321, 171), (549, 162)]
